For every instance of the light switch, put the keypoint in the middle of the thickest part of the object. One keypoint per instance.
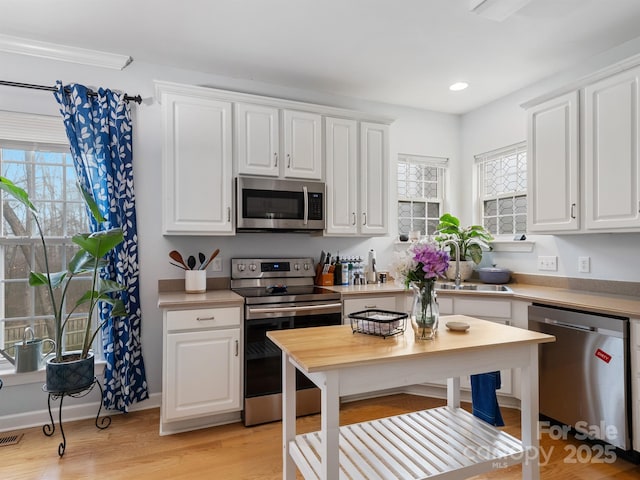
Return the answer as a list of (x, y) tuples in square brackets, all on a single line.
[(584, 264)]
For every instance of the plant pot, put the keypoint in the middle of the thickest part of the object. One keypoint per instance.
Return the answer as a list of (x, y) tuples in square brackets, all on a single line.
[(71, 374), (466, 269)]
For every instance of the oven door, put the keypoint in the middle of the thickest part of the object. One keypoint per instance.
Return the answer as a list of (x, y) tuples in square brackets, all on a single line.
[(263, 359)]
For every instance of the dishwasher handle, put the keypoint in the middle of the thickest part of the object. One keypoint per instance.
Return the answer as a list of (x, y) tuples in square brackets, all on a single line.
[(550, 321)]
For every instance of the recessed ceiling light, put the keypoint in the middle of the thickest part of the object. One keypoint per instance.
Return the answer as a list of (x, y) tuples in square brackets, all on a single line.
[(456, 87)]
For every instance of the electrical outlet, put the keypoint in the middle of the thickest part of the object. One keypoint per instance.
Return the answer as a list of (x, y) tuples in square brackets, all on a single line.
[(216, 264), (584, 264), (549, 263)]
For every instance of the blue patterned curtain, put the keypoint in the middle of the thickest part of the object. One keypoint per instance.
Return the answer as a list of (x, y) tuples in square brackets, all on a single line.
[(100, 133)]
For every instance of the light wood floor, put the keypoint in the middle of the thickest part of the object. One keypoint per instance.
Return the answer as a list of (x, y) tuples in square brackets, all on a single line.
[(132, 449)]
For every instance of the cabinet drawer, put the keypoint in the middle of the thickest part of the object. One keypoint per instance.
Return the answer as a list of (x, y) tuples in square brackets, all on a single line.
[(482, 308), (203, 318), (359, 304)]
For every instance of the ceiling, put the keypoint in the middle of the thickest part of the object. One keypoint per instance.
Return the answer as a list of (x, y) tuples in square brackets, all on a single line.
[(404, 52)]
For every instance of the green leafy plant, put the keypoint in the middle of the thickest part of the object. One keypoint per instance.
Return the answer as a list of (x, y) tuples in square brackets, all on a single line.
[(88, 261), (471, 240)]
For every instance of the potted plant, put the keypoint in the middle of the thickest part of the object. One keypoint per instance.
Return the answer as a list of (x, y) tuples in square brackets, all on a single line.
[(71, 371), (469, 240)]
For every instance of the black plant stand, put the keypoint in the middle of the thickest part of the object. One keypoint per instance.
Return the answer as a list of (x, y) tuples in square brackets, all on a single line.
[(49, 429)]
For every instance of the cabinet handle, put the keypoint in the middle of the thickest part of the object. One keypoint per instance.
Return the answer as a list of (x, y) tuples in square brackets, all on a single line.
[(275, 155), (202, 319), (573, 210), (370, 306), (288, 160), (364, 218), (228, 214), (354, 218), (237, 348)]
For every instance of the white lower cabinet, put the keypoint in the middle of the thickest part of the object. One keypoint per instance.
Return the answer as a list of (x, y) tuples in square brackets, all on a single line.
[(492, 309), (635, 382), (201, 367)]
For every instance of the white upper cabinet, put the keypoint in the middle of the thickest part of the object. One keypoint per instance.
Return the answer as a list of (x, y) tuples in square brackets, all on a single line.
[(257, 133), (612, 164), (263, 148), (596, 189), (210, 135), (197, 162), (357, 159), (374, 183), (552, 164), (302, 145), (341, 154)]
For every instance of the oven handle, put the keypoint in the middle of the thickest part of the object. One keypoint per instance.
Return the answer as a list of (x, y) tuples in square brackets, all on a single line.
[(301, 308)]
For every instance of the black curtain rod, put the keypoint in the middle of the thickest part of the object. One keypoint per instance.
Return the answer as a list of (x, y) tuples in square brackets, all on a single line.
[(128, 98)]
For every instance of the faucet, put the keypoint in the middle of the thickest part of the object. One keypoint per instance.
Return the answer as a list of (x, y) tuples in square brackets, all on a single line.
[(457, 249)]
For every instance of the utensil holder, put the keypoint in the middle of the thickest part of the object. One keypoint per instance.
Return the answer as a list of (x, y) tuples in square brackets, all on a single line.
[(195, 281)]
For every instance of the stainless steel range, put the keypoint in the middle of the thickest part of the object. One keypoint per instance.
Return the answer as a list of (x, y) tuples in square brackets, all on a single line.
[(279, 293)]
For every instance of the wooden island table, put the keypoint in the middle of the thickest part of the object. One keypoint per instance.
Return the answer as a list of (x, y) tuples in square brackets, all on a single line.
[(445, 442)]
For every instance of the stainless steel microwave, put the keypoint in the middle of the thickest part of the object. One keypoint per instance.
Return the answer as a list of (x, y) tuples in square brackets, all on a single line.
[(270, 204)]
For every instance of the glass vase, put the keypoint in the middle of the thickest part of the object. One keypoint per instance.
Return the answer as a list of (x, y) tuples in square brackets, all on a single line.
[(425, 313)]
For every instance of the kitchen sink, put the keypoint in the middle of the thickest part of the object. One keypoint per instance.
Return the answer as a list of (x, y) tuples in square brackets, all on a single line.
[(472, 287)]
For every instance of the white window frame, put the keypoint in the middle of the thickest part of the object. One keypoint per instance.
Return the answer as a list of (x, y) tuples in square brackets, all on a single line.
[(441, 164), (480, 161), (44, 131)]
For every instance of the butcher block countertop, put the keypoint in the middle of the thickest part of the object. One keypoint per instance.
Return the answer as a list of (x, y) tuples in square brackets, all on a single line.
[(337, 347)]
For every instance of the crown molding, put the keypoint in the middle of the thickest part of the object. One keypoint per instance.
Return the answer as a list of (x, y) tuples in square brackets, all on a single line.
[(64, 53)]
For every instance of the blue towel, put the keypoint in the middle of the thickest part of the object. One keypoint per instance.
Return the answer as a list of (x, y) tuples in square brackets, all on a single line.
[(483, 397)]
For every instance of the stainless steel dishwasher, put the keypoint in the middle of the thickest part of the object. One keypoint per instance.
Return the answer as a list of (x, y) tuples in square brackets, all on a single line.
[(584, 373)]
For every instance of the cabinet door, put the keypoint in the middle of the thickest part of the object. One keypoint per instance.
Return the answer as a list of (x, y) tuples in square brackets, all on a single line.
[(374, 161), (611, 160), (197, 177), (257, 135), (552, 165), (302, 147), (341, 153), (202, 373)]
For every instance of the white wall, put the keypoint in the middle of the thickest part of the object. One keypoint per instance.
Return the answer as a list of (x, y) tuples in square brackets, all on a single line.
[(503, 122), (414, 132)]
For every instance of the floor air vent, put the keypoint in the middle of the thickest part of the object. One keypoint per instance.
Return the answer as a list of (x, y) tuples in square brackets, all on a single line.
[(10, 439)]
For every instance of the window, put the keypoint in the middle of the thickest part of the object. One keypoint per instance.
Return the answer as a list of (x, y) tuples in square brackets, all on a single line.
[(502, 188), (420, 193), (45, 170)]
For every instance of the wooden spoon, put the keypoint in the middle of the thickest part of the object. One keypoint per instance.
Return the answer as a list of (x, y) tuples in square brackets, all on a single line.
[(213, 255), (175, 255)]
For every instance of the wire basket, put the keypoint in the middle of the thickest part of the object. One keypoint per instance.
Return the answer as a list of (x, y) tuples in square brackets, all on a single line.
[(382, 323)]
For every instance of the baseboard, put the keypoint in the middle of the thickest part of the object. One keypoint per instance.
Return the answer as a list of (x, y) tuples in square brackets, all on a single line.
[(70, 413), (433, 391)]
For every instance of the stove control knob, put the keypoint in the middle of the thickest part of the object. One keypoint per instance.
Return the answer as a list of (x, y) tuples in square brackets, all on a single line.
[(252, 267), (296, 266), (306, 266), (240, 267)]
